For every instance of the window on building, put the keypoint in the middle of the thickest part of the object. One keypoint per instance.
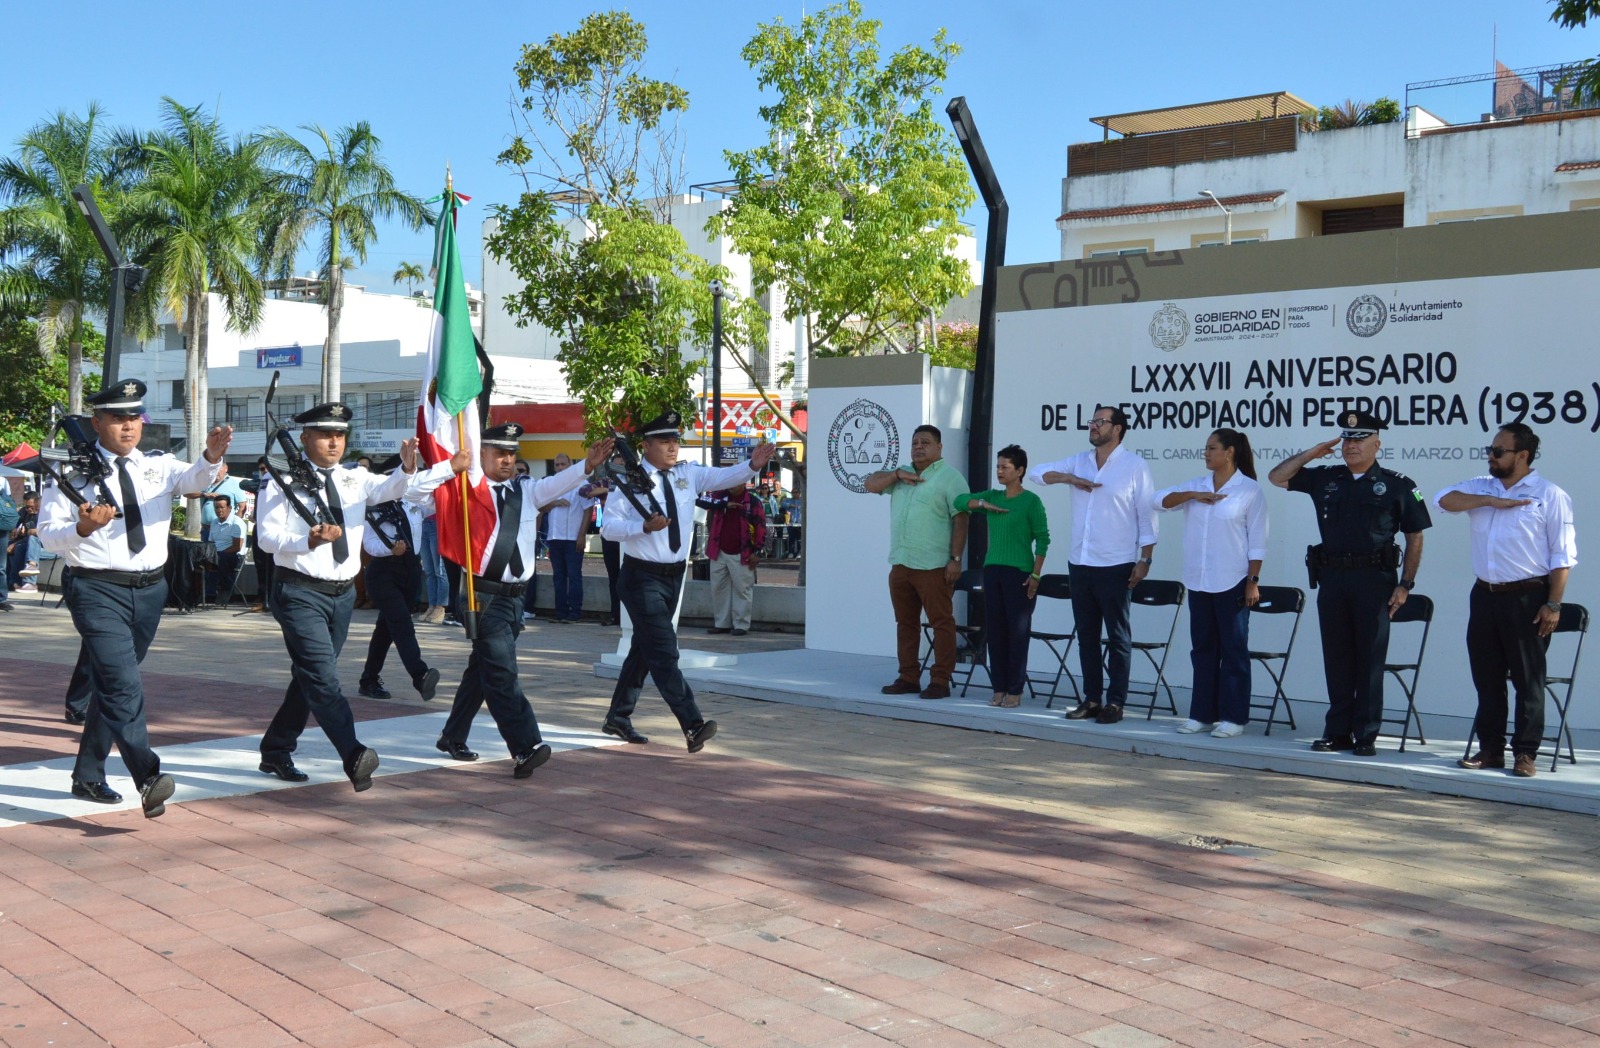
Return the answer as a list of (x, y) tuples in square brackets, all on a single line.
[(1236, 240), (175, 398), (1337, 220), (1118, 252), (391, 409)]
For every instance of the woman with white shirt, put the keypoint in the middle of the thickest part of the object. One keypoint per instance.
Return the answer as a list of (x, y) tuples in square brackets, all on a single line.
[(1224, 541)]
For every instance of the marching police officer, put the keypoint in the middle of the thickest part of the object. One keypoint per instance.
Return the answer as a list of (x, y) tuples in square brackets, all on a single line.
[(1360, 508), (314, 587), (655, 548), (505, 563), (394, 575), (116, 547)]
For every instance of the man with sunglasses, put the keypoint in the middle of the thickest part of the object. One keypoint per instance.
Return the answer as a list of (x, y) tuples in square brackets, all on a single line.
[(1523, 547), (1361, 507)]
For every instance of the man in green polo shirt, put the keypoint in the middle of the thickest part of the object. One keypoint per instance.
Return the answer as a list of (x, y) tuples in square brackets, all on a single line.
[(927, 534)]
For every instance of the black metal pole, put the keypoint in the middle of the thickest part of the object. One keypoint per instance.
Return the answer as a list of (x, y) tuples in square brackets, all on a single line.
[(119, 265), (980, 438), (716, 374)]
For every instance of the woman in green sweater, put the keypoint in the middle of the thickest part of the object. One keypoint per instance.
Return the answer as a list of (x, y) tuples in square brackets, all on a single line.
[(1018, 538)]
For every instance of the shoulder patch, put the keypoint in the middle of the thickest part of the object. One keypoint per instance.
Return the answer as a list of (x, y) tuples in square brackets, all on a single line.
[(1416, 494)]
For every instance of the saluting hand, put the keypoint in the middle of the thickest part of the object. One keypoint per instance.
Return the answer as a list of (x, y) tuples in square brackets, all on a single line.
[(761, 456), (1325, 449), (408, 455), (217, 442), (1210, 498), (1497, 502), (599, 452), (907, 476)]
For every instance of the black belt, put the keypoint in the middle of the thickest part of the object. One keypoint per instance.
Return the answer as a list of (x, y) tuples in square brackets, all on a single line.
[(499, 589), (655, 567), (1541, 582), (1378, 558), (130, 579), (332, 587)]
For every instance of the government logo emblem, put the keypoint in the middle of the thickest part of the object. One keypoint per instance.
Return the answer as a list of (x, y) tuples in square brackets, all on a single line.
[(862, 440), (1366, 316), (1169, 328)]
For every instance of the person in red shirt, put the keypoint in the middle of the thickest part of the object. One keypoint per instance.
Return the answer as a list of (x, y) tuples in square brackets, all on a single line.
[(736, 531)]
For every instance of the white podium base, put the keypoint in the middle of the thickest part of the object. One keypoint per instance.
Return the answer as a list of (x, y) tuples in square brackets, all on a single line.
[(688, 659)]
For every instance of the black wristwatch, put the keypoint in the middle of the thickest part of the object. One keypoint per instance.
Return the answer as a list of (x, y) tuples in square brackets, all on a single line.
[(1252, 578), (1408, 584)]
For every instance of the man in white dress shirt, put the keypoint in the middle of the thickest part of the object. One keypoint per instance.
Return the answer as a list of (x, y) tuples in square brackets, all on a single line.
[(508, 560), (565, 521), (116, 546), (1113, 542), (1523, 548), (315, 568), (655, 548)]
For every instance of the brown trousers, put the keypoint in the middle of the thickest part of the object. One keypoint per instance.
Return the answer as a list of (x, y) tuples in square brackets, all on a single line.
[(915, 594)]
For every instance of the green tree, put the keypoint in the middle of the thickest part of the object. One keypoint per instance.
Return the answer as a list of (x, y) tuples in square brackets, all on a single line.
[(854, 203), (340, 187), (410, 274), (955, 346), (51, 267), (1575, 14), (29, 386), (601, 266), (194, 220), (1351, 113)]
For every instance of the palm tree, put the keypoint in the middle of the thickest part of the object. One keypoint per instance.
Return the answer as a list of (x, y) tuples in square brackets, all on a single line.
[(409, 274), (195, 222), (51, 267), (340, 186)]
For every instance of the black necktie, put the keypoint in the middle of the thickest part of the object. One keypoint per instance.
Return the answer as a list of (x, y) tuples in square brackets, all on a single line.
[(509, 502), (132, 516), (674, 537), (330, 495)]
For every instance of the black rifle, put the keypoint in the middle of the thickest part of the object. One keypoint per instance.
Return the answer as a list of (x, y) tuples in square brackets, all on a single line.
[(631, 478), (386, 518), (78, 465), (292, 470)]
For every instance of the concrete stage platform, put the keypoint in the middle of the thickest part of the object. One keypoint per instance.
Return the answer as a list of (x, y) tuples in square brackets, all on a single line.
[(850, 683)]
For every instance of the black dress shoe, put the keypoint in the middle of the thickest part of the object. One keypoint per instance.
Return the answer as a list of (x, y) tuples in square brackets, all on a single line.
[(98, 792), (360, 767), (1365, 749), (699, 735), (373, 689), (740, 633), (427, 684), (153, 795), (530, 760), (625, 732), (901, 686), (72, 716), (1109, 714), (1084, 711), (717, 629), (283, 769), (456, 750), (1327, 745)]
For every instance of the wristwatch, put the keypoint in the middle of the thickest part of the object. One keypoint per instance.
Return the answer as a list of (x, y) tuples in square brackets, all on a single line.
[(1553, 605), (1408, 584), (1252, 578), (1146, 561)]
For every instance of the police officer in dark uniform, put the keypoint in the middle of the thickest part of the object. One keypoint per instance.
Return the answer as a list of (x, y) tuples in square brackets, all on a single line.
[(314, 588), (655, 548), (1360, 508), (116, 547), (394, 575), (507, 560)]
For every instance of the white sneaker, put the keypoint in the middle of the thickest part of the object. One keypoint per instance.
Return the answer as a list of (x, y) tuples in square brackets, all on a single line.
[(529, 616), (27, 587), (1228, 730), (1193, 727)]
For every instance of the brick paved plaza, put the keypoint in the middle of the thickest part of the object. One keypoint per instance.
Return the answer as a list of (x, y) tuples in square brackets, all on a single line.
[(813, 878)]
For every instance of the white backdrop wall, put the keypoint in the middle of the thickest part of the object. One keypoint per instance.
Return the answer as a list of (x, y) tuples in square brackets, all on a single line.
[(1444, 362)]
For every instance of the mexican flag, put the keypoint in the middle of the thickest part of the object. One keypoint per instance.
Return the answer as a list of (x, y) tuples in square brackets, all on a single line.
[(447, 417)]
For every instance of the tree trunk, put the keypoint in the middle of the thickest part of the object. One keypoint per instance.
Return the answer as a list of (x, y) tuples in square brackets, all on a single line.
[(331, 356), (194, 406), (75, 378)]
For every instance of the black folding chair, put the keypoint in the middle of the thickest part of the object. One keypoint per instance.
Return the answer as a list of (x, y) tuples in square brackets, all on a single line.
[(972, 642), (1417, 608), (1574, 619), (1156, 593), (1054, 587), (1278, 600)]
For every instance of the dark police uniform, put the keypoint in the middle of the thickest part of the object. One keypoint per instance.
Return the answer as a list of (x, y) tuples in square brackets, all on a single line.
[(118, 589), (651, 580), (500, 578), (313, 593), (1358, 560), (393, 580)]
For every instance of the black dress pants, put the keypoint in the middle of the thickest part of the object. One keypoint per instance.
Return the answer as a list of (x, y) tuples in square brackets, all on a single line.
[(314, 629), (117, 624), (491, 677), (1353, 614), (1503, 641), (651, 600), (392, 584)]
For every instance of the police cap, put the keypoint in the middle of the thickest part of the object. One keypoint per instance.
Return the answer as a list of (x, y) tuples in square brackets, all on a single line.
[(123, 397), (667, 424), (507, 435), (1358, 425), (332, 415)]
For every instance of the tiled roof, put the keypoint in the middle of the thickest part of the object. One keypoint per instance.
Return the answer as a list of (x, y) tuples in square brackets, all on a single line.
[(1197, 204), (1578, 165)]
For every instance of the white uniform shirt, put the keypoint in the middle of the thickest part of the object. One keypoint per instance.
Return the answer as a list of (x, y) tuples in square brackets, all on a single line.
[(684, 483), (375, 546), (156, 478), (1114, 521), (565, 523), (1509, 545), (287, 537), (1220, 539), (534, 492)]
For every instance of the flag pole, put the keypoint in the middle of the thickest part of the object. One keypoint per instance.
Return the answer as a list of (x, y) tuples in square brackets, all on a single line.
[(469, 608)]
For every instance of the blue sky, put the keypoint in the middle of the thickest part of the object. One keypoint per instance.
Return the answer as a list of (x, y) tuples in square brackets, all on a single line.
[(434, 80)]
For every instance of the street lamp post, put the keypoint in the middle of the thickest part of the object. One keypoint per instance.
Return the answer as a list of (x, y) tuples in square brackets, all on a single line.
[(716, 374), (126, 279), (1227, 226)]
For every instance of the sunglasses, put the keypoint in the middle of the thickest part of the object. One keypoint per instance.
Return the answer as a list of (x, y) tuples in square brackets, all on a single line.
[(1496, 452)]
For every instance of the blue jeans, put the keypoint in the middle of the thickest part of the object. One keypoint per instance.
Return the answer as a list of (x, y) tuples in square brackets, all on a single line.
[(1101, 597), (436, 587), (1219, 641), (566, 564)]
